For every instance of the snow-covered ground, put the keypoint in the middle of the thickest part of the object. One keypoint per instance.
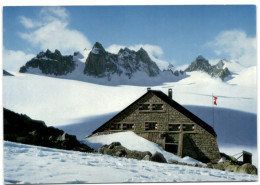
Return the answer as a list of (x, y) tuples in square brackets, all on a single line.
[(24, 164), (133, 142), (80, 107), (62, 101)]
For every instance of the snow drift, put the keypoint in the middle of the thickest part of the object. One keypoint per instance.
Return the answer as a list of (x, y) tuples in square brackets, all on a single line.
[(60, 166)]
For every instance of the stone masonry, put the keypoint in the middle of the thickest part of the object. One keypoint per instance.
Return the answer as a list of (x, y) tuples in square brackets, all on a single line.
[(168, 127)]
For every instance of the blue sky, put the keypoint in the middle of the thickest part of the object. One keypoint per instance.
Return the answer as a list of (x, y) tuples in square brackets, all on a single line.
[(175, 34)]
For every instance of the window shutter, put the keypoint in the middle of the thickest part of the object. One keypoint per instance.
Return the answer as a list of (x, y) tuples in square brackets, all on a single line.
[(146, 126)]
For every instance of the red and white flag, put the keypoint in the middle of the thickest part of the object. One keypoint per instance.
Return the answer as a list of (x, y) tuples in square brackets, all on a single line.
[(215, 100)]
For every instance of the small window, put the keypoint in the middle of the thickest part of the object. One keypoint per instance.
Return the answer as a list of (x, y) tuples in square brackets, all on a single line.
[(174, 127), (144, 107), (115, 127), (151, 126), (189, 127), (128, 126), (157, 107)]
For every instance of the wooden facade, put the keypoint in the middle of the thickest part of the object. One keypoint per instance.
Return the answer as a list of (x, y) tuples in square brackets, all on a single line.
[(158, 118)]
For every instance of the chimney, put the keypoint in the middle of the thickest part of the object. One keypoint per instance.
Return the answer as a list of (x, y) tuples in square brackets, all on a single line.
[(170, 93), (148, 89)]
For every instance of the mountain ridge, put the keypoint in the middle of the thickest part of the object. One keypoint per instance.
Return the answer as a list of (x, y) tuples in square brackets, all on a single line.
[(201, 64), (126, 64)]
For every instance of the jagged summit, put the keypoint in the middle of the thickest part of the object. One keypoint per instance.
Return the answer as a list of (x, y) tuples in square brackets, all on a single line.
[(101, 63), (126, 64), (202, 64), (50, 63), (96, 62), (97, 48)]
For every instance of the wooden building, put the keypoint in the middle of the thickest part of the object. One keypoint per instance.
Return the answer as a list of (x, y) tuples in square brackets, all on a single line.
[(158, 118)]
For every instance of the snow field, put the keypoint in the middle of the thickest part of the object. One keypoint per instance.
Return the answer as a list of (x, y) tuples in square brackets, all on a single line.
[(25, 164), (61, 101), (134, 142)]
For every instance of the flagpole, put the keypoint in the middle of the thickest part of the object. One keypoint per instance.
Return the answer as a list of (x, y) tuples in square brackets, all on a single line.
[(212, 109)]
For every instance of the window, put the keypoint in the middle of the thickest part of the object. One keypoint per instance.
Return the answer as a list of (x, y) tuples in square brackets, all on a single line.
[(151, 126), (144, 107), (128, 126), (174, 127), (189, 127), (115, 127), (157, 107)]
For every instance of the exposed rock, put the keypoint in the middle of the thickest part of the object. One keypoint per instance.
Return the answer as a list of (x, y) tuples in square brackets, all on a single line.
[(248, 169), (201, 64), (198, 165), (146, 158), (233, 165), (174, 71), (22, 129), (158, 157), (5, 73), (101, 63), (116, 149), (172, 161), (232, 168), (50, 63), (209, 165)]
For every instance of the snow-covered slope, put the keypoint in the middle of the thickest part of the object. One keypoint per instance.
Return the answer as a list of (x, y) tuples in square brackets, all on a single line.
[(60, 166), (83, 106), (246, 77), (133, 142), (60, 102), (233, 65)]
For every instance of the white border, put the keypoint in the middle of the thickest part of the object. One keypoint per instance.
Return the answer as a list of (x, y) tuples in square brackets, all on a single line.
[(114, 2)]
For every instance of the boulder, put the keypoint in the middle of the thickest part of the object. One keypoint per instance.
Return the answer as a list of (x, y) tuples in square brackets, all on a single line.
[(209, 165), (248, 169), (146, 158), (232, 168), (116, 149), (158, 157), (172, 161)]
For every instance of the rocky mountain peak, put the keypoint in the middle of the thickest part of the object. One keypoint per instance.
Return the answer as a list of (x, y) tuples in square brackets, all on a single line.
[(143, 53), (50, 63), (201, 61), (101, 63), (125, 52), (220, 64), (202, 64), (98, 49)]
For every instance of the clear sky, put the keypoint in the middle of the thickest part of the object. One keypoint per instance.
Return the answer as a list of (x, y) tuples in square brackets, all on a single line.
[(176, 34)]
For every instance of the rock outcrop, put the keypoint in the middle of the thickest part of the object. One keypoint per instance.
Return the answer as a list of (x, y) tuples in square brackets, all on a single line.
[(158, 157), (101, 63), (50, 63), (233, 165), (22, 129), (5, 73), (116, 149), (201, 64)]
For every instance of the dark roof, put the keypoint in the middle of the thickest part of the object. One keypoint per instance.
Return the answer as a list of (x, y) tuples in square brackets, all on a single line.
[(172, 103)]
